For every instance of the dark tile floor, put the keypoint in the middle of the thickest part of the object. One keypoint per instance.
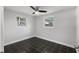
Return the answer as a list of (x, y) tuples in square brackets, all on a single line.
[(37, 45)]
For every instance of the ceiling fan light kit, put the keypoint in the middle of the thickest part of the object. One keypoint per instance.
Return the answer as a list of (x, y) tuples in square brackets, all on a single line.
[(37, 12)]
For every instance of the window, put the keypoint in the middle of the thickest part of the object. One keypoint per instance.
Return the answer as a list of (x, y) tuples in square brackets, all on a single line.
[(21, 21), (48, 22)]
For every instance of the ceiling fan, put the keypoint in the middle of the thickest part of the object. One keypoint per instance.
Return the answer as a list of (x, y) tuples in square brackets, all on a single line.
[(37, 10)]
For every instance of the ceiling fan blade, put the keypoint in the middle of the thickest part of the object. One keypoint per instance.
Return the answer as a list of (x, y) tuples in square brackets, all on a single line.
[(42, 11), (33, 8), (33, 13)]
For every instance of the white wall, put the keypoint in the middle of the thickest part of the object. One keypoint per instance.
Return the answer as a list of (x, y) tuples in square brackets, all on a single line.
[(64, 29), (14, 33), (77, 25), (1, 29)]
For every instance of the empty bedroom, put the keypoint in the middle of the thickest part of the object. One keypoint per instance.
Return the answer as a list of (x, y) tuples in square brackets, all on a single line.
[(40, 29)]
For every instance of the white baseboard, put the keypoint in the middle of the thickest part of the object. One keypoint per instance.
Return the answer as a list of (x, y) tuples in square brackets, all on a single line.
[(18, 40), (77, 50), (65, 44)]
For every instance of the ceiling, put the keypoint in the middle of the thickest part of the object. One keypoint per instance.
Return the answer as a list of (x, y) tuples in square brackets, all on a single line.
[(28, 10)]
